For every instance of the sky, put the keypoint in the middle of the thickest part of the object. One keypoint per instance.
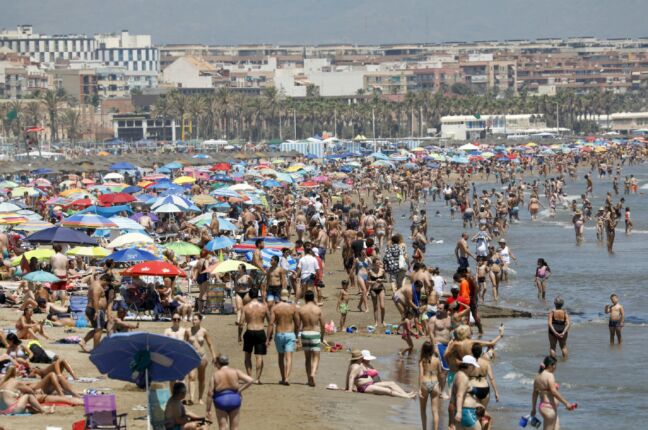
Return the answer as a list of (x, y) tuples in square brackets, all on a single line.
[(306, 22)]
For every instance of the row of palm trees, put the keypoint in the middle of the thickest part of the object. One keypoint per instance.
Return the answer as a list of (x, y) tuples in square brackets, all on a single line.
[(231, 115), (271, 115), (50, 109)]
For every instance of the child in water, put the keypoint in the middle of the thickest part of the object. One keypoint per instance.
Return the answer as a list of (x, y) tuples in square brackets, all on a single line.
[(407, 327)]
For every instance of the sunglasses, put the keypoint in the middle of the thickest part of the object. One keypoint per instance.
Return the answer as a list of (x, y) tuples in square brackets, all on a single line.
[(175, 319)]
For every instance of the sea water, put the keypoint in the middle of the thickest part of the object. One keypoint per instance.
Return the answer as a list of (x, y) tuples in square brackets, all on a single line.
[(609, 384)]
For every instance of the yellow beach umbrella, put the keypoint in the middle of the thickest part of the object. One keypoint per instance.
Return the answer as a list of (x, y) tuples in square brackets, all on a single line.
[(71, 191), (184, 180), (40, 254), (89, 251)]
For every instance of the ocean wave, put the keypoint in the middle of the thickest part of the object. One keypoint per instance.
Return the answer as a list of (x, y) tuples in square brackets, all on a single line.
[(519, 377)]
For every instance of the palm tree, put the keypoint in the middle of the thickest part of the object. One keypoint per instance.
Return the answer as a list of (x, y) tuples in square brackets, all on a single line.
[(224, 101), (179, 104), (71, 120), (162, 109), (53, 101), (196, 107), (271, 102)]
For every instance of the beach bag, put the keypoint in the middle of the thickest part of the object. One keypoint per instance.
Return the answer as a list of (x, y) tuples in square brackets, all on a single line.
[(392, 258)]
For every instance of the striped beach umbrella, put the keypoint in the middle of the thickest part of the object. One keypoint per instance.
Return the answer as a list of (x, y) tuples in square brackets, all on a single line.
[(88, 220)]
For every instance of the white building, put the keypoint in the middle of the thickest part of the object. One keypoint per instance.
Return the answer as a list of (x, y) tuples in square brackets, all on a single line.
[(190, 72), (48, 49), (465, 127), (629, 122)]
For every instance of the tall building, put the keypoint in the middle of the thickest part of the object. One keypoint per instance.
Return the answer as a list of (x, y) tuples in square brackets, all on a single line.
[(48, 49), (134, 52)]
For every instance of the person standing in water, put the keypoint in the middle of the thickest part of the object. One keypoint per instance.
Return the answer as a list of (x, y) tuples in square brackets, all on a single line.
[(559, 324), (542, 274), (430, 373), (546, 389), (617, 318)]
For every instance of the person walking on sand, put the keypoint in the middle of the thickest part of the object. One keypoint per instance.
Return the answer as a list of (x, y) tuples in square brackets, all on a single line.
[(312, 334), (545, 388), (255, 314), (617, 318), (284, 316)]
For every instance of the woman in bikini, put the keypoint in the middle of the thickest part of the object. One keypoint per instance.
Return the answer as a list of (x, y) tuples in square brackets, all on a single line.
[(542, 274), (198, 337), (495, 270), (377, 290), (534, 207), (465, 399), (13, 401), (202, 279), (429, 371), (333, 231), (361, 270), (559, 323), (362, 378), (485, 376), (242, 284), (546, 389), (27, 328)]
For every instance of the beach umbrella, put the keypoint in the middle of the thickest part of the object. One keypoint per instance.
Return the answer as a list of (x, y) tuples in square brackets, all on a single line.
[(223, 167), (174, 165), (20, 191), (220, 242), (33, 226), (116, 198), (59, 234), (242, 187), (221, 178), (113, 176), (41, 276), (379, 156), (225, 192), (131, 189), (132, 254), (169, 208), (42, 171), (40, 254), (12, 219), (468, 147), (154, 268), (71, 191), (80, 203), (266, 256), (182, 248), (41, 182), (124, 223), (129, 239), (229, 266), (8, 184), (184, 180), (143, 357), (201, 156), (87, 220), (124, 165), (89, 251), (176, 200), (271, 183), (204, 199), (308, 184)]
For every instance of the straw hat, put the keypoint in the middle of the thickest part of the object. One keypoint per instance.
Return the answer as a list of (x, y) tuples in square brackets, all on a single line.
[(356, 354)]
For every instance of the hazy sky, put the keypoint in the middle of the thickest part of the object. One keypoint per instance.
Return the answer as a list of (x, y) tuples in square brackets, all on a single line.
[(331, 21)]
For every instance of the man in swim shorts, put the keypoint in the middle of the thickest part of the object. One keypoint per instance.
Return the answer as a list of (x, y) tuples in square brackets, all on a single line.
[(312, 334), (286, 320), (255, 314), (439, 329)]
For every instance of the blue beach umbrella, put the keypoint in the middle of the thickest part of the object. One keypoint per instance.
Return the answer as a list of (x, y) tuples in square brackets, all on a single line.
[(220, 242), (143, 357), (124, 165), (41, 276), (132, 254), (61, 235)]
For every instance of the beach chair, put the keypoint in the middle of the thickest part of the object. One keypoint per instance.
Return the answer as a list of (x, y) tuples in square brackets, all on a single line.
[(101, 413), (158, 399)]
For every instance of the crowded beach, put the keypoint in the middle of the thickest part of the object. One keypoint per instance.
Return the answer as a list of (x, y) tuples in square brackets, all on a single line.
[(155, 294)]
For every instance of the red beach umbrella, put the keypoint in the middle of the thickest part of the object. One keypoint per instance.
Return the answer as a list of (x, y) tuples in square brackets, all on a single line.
[(154, 268)]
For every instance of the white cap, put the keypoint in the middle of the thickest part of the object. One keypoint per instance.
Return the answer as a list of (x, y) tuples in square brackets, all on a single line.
[(315, 252), (469, 359), (366, 355)]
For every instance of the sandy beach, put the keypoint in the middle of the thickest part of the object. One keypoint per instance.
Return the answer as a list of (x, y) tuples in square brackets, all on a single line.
[(270, 405)]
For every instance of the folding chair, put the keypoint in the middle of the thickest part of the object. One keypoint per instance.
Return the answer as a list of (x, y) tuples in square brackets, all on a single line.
[(101, 413), (158, 399)]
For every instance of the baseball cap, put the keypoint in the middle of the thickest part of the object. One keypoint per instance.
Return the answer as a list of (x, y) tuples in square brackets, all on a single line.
[(469, 359)]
